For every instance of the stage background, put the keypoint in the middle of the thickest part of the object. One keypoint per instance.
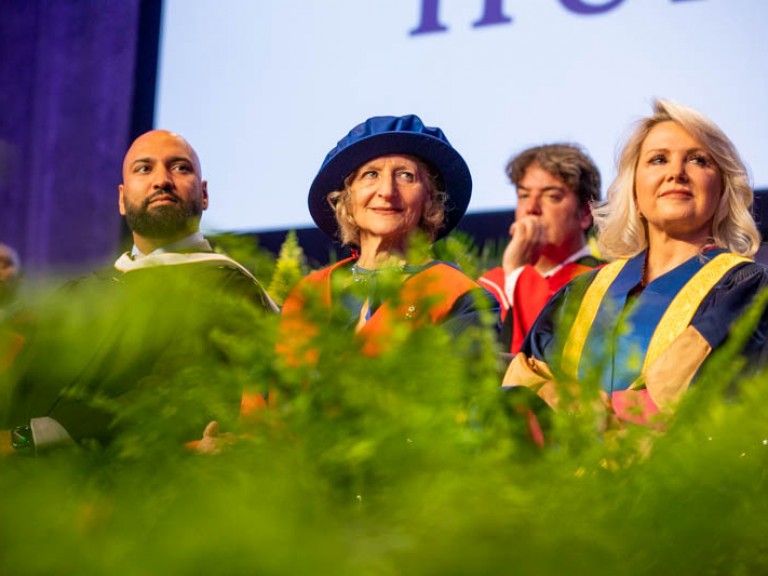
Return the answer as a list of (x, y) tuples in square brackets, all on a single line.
[(264, 89)]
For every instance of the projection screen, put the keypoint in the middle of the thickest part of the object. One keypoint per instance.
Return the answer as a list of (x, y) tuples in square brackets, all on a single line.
[(263, 89)]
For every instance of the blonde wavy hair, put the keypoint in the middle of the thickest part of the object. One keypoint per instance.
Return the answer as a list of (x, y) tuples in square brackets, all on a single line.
[(432, 217), (621, 231)]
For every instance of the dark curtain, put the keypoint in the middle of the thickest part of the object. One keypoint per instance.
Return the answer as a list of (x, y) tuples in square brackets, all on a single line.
[(67, 83)]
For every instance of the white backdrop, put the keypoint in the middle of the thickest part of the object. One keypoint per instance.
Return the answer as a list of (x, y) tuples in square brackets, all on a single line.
[(265, 88)]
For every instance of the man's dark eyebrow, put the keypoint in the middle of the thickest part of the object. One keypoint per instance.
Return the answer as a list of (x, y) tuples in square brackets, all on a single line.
[(185, 159), (171, 160), (545, 189)]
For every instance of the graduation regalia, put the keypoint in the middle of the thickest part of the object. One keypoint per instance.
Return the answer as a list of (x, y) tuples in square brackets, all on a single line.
[(435, 293), (531, 293), (648, 343)]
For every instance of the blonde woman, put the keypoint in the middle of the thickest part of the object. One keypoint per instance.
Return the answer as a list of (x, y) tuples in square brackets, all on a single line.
[(677, 224)]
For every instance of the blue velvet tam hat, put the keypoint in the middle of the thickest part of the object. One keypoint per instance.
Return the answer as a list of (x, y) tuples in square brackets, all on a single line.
[(382, 135)]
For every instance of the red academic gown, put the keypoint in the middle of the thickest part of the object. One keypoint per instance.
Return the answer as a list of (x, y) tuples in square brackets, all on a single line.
[(532, 292)]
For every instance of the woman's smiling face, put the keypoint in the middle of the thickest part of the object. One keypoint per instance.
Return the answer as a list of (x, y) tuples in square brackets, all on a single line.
[(388, 196), (677, 184)]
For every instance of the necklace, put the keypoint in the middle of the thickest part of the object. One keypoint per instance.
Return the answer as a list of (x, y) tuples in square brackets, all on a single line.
[(360, 274)]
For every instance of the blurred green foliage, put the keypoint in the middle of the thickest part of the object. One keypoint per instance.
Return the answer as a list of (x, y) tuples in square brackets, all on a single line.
[(291, 267), (473, 260), (411, 462), (246, 250)]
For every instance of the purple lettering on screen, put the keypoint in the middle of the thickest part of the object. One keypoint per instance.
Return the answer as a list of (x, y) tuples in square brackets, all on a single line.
[(493, 13), (588, 8), (429, 19)]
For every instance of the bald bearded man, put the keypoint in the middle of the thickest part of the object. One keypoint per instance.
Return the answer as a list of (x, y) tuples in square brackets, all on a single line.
[(168, 289)]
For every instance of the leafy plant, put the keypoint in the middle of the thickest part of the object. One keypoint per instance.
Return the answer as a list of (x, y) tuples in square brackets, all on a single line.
[(407, 462), (291, 267)]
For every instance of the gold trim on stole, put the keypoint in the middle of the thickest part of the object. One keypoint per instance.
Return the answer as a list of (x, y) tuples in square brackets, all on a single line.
[(680, 311), (673, 323), (590, 304)]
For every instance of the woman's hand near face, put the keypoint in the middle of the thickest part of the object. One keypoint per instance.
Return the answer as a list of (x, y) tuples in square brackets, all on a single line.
[(528, 237)]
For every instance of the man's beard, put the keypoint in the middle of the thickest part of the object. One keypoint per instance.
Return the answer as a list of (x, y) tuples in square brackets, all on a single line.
[(164, 221)]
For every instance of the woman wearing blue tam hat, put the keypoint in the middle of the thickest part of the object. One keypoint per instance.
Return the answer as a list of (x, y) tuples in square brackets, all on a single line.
[(388, 181)]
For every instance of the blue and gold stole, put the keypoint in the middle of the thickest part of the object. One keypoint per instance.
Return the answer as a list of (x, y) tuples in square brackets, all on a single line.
[(625, 333)]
